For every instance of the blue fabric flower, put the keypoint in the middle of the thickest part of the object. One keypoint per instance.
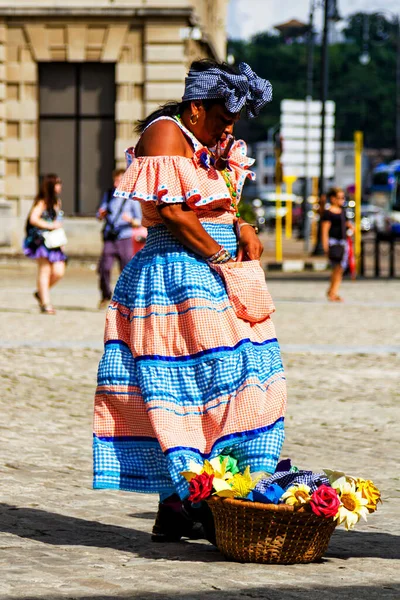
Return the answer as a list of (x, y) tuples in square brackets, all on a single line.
[(287, 478), (272, 494), (205, 160)]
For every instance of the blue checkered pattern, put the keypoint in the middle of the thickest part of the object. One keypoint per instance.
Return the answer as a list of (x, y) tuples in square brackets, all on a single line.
[(141, 466), (117, 367), (238, 90), (286, 479), (165, 274)]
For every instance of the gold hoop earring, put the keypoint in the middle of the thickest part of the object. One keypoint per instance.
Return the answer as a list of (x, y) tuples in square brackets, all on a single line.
[(192, 119)]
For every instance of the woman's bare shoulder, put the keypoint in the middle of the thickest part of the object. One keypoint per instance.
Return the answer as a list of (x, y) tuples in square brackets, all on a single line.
[(163, 138), (39, 204)]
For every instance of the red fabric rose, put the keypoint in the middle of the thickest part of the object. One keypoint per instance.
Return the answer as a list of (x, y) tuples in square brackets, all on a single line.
[(200, 487), (325, 501)]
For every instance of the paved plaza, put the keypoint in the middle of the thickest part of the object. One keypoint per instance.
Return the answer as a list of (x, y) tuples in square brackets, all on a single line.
[(60, 539)]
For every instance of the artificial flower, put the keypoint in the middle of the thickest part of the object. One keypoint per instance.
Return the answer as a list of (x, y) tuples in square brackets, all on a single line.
[(337, 478), (352, 505), (271, 495), (325, 501), (205, 159), (216, 468), (283, 465), (242, 484), (333, 475), (200, 487), (231, 463), (222, 488), (297, 494), (194, 469), (212, 467), (370, 492)]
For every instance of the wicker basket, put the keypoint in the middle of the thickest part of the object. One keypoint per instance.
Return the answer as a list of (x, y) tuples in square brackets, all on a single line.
[(268, 533)]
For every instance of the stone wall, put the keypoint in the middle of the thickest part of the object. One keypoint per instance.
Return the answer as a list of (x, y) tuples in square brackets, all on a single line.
[(151, 51)]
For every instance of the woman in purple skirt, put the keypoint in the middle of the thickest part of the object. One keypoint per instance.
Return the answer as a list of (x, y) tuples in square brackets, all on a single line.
[(45, 215)]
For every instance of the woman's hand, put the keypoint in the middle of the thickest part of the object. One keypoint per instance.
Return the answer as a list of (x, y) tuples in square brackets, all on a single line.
[(221, 156), (250, 247), (102, 213), (350, 229)]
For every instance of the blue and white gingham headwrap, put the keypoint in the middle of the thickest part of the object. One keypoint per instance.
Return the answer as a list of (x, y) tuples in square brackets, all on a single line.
[(243, 89)]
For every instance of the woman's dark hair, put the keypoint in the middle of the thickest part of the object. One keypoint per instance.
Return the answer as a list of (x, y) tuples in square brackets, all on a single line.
[(47, 191), (172, 108), (333, 192)]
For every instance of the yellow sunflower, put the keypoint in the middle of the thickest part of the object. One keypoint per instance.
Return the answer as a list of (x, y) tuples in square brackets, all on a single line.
[(370, 492), (353, 505), (297, 494)]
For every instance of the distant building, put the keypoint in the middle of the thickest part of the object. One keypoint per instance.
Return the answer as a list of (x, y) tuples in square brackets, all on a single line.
[(75, 75), (293, 30)]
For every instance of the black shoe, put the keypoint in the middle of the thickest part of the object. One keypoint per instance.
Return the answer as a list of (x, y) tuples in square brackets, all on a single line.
[(202, 514), (171, 525)]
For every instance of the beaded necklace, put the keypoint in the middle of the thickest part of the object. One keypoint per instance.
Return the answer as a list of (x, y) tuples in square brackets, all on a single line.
[(231, 190)]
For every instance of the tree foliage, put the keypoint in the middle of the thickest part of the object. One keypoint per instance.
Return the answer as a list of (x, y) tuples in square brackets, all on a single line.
[(365, 95)]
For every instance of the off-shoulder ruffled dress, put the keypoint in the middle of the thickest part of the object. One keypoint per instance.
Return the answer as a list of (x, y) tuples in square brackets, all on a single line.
[(183, 377)]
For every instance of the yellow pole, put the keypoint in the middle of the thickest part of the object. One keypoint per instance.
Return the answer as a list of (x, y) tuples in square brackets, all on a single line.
[(278, 225), (314, 226), (289, 180), (358, 149)]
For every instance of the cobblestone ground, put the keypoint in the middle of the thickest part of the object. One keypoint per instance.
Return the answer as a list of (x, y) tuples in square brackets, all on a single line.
[(60, 539)]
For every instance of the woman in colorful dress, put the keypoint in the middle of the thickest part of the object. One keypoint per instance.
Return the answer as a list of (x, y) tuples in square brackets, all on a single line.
[(190, 373), (45, 215)]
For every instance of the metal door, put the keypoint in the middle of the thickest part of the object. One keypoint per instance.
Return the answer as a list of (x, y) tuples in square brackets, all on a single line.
[(77, 130)]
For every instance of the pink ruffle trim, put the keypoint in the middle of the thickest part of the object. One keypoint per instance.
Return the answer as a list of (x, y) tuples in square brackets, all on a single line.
[(176, 179)]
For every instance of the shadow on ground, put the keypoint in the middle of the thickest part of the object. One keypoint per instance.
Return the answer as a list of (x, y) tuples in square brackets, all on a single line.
[(356, 592), (62, 530)]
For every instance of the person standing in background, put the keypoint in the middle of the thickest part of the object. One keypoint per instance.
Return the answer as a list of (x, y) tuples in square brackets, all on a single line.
[(120, 216), (334, 231), (45, 215)]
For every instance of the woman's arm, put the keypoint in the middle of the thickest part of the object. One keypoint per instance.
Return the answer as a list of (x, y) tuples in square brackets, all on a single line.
[(164, 138), (36, 221), (325, 227), (183, 223)]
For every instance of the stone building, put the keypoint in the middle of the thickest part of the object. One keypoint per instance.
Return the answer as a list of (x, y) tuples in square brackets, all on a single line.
[(75, 75)]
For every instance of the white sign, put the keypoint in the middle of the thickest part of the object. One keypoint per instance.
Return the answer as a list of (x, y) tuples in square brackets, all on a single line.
[(301, 138), (306, 120), (307, 106), (303, 133)]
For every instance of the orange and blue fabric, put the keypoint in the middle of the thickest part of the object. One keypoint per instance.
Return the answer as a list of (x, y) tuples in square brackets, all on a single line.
[(182, 377)]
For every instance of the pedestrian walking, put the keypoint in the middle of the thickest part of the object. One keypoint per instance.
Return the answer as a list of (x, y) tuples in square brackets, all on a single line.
[(120, 216), (192, 367), (45, 218), (334, 233)]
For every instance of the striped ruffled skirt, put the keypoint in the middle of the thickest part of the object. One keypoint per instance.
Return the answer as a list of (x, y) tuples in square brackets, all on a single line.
[(182, 377)]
